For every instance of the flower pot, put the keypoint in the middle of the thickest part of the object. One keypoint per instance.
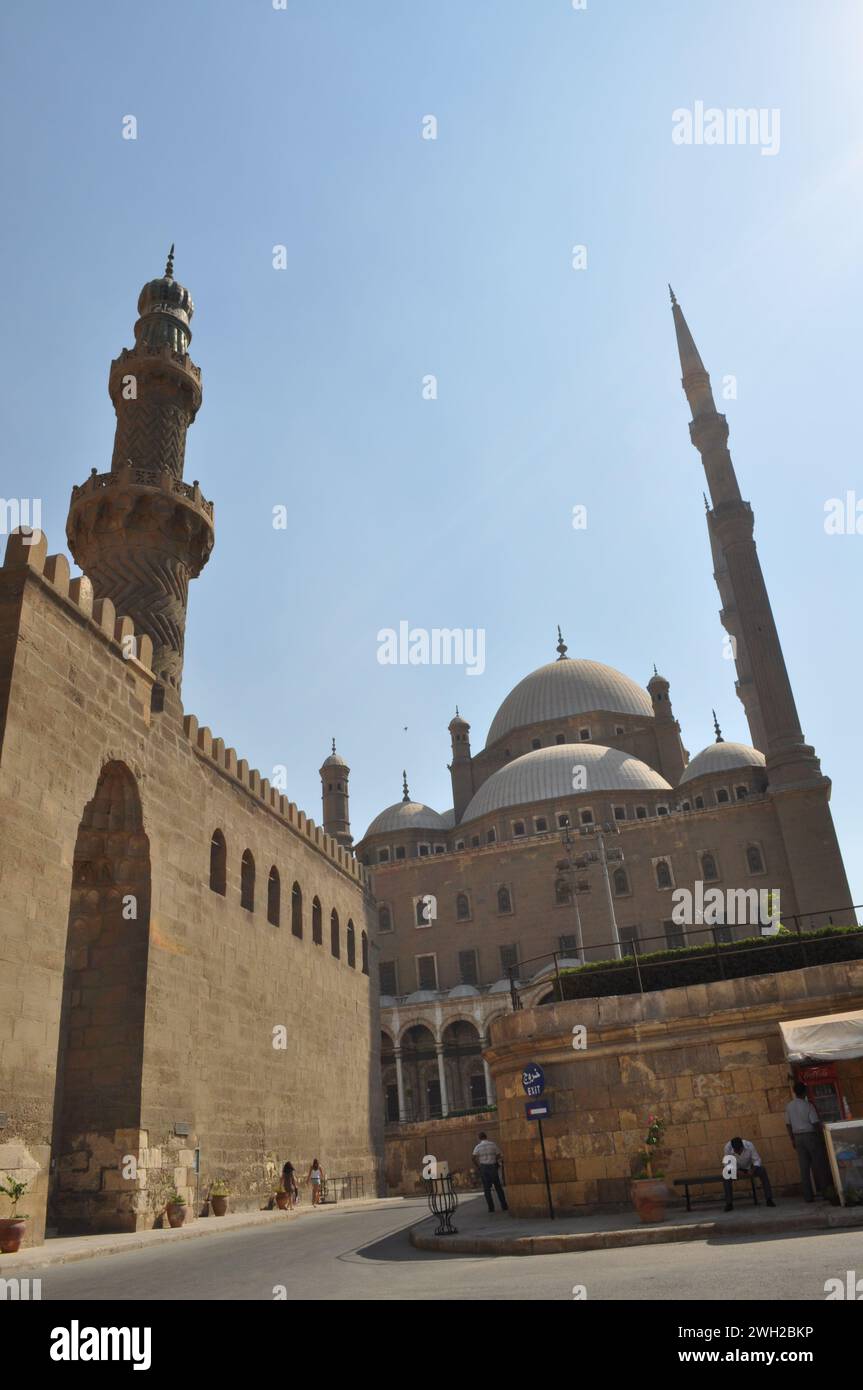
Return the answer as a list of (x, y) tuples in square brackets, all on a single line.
[(219, 1205), (176, 1214), (12, 1229), (649, 1196), (282, 1201)]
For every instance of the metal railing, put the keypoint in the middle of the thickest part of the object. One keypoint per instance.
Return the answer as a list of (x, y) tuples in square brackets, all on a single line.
[(632, 952), (342, 1189)]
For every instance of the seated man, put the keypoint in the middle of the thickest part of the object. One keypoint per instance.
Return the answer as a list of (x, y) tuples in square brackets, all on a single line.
[(740, 1158)]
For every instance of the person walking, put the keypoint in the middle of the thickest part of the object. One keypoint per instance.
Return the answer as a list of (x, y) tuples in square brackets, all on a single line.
[(316, 1179), (487, 1157), (747, 1162), (804, 1131), (289, 1183)]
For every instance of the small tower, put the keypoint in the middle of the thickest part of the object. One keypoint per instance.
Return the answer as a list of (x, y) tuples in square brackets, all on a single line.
[(672, 755), (140, 533), (461, 767), (334, 795)]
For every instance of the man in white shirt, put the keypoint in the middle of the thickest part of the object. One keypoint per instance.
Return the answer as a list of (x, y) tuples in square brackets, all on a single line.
[(804, 1131), (487, 1156), (740, 1158)]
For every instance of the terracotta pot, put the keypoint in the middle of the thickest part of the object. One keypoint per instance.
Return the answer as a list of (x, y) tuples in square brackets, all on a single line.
[(176, 1214), (219, 1205), (12, 1233), (649, 1196), (282, 1201)]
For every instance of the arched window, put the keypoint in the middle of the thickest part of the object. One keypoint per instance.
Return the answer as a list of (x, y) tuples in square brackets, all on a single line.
[(621, 883), (385, 918), (562, 891), (364, 944), (663, 874), (274, 897), (247, 882), (754, 859), (218, 863), (335, 942), (462, 907), (504, 901), (741, 793), (708, 867), (352, 945), (420, 912), (317, 923), (297, 910)]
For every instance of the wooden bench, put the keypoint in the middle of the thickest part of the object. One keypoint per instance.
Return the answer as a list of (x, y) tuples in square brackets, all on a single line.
[(714, 1178)]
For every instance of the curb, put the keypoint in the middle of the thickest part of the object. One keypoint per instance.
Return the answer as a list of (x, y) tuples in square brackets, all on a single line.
[(41, 1256), (634, 1235)]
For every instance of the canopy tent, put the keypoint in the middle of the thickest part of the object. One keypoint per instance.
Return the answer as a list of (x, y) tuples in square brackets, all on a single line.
[(828, 1038)]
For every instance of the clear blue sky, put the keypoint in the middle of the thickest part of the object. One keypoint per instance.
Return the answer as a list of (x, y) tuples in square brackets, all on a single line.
[(453, 257)]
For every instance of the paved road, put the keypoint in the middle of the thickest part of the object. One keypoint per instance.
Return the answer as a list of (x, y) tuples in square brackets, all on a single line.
[(364, 1255)]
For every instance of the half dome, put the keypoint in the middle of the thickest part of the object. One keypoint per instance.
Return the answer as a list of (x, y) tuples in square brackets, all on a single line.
[(722, 757), (546, 774), (565, 688), (406, 815)]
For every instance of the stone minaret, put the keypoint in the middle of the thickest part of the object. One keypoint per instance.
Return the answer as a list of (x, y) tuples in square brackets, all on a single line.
[(334, 795), (140, 533), (461, 767), (672, 758)]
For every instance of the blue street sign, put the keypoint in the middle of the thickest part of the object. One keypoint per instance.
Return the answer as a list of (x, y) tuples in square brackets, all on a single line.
[(533, 1079), (538, 1109)]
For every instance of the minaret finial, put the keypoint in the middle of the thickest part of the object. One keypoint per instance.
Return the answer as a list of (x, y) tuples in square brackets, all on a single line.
[(561, 645), (655, 672), (673, 296), (456, 712), (706, 503), (334, 745), (169, 268), (719, 738), (407, 795)]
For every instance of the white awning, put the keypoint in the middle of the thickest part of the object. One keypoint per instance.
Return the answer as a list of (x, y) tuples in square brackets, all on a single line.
[(828, 1038)]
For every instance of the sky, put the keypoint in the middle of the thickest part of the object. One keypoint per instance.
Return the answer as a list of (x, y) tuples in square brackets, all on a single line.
[(556, 383)]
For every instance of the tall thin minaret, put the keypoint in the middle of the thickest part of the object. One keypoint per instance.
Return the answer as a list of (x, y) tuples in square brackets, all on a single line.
[(140, 533), (335, 797), (762, 684)]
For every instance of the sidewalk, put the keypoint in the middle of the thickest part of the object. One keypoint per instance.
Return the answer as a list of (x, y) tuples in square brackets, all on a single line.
[(61, 1250), (502, 1234)]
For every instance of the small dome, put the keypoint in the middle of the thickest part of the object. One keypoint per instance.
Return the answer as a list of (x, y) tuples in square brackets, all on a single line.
[(448, 818), (406, 815), (545, 774), (463, 992), (501, 987), (335, 760), (722, 757), (422, 996), (387, 1001), (565, 688)]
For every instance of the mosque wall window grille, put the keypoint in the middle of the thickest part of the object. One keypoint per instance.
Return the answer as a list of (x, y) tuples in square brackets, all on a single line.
[(474, 842), (619, 812), (560, 738), (491, 836), (562, 892), (675, 936), (388, 977), (385, 918), (662, 810), (297, 910), (247, 882), (586, 816), (440, 849), (274, 898), (504, 900), (620, 883), (664, 876), (518, 828), (459, 844), (584, 734), (478, 1097), (618, 730), (468, 968), (562, 820), (536, 743), (335, 935), (422, 914), (709, 868), (383, 856), (685, 806), (364, 942), (628, 940), (427, 972), (568, 945), (508, 960), (699, 803), (218, 863), (722, 797), (641, 813), (317, 923), (462, 907), (351, 940), (423, 851), (401, 852), (755, 859), (540, 825), (741, 793)]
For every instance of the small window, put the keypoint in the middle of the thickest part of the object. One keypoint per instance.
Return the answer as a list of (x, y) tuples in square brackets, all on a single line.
[(274, 897), (491, 836), (426, 972), (535, 743), (699, 803), (318, 922), (508, 959), (218, 863), (663, 874), (504, 900), (586, 816), (385, 918), (401, 852), (518, 828), (459, 844), (562, 891), (754, 860), (383, 856), (641, 813), (297, 910), (423, 851), (618, 730), (685, 806), (352, 945), (335, 935), (568, 945), (540, 824), (584, 735), (628, 940), (474, 842), (462, 907), (741, 793), (440, 849), (562, 820), (560, 738), (422, 910), (675, 936), (364, 940), (620, 882), (387, 977), (722, 796), (467, 968), (247, 882), (709, 870), (620, 813), (662, 810)]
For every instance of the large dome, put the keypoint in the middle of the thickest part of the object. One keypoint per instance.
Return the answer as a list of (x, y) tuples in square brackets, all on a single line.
[(722, 757), (406, 815), (547, 774), (564, 688)]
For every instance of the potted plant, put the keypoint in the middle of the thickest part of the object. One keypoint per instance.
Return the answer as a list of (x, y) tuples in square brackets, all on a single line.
[(219, 1197), (649, 1193), (13, 1227), (176, 1208)]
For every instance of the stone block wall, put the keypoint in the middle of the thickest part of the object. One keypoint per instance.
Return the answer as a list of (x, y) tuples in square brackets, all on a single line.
[(453, 1140)]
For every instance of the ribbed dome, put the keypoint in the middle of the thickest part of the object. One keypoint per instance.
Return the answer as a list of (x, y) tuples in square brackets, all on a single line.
[(406, 815), (564, 688), (547, 774), (722, 757)]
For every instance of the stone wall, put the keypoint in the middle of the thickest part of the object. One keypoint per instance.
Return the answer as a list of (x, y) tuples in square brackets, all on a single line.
[(707, 1058), (453, 1140), (211, 982)]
